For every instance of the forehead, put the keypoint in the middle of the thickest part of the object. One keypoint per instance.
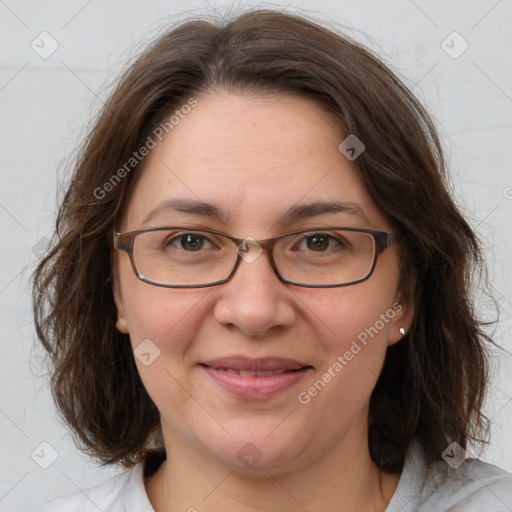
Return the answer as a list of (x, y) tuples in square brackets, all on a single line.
[(254, 156)]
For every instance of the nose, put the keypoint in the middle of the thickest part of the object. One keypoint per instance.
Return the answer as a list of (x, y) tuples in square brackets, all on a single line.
[(254, 300)]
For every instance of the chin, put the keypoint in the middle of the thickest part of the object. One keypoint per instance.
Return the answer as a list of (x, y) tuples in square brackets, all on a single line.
[(253, 451)]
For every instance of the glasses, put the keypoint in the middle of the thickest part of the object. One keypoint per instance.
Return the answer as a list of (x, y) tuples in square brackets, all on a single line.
[(182, 257)]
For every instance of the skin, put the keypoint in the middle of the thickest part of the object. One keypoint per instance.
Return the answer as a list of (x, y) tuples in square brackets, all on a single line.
[(256, 156)]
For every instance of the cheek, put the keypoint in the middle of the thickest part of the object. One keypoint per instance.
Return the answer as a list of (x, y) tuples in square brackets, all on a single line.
[(154, 311), (361, 313), (352, 359), (364, 315), (163, 324), (352, 326)]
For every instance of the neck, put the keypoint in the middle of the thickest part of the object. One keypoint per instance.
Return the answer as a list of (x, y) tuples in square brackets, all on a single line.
[(346, 480)]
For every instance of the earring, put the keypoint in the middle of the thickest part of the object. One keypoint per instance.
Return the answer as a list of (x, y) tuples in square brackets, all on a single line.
[(402, 331)]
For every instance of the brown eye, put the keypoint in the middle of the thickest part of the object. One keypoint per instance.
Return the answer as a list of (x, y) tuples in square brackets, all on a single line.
[(318, 242), (191, 242)]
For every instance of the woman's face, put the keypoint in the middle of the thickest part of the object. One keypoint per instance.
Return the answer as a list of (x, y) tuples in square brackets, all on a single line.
[(254, 159)]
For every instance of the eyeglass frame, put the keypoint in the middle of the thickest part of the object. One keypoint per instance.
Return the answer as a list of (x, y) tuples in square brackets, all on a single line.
[(124, 241)]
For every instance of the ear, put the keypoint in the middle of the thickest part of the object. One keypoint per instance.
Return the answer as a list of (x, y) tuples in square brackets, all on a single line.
[(122, 322), (404, 314)]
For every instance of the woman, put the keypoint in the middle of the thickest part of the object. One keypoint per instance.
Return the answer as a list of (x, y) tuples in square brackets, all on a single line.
[(258, 297)]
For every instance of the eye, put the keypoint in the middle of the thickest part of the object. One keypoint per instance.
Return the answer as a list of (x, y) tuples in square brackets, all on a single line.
[(320, 242), (191, 242)]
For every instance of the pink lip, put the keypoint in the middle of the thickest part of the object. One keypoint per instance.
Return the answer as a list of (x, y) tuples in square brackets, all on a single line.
[(255, 387)]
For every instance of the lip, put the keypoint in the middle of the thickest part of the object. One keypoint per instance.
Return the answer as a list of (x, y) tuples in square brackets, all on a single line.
[(223, 372), (255, 364)]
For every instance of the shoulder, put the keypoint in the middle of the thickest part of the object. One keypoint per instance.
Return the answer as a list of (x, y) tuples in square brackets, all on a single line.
[(473, 486), (120, 493)]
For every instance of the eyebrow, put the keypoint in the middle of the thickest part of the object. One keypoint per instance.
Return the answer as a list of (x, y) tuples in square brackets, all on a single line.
[(298, 212), (187, 206)]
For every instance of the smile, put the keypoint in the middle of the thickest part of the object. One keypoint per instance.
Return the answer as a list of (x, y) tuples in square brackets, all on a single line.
[(254, 373), (251, 379)]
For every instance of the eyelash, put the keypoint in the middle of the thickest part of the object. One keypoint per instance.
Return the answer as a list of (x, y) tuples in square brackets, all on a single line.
[(303, 238)]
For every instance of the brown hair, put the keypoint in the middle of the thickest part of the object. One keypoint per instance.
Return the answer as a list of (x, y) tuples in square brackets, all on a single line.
[(433, 381)]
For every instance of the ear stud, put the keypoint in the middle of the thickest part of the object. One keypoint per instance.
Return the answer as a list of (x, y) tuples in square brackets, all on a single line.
[(402, 331)]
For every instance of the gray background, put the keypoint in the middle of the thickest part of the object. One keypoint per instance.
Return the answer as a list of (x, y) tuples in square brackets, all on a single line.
[(46, 102)]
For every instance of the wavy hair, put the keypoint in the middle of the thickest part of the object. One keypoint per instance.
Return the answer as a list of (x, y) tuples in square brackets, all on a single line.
[(433, 381)]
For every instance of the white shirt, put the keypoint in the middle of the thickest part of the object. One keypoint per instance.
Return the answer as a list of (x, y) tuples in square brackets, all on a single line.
[(475, 486)]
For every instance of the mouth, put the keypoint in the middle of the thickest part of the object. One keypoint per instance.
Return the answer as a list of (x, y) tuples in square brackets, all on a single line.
[(255, 379), (254, 373)]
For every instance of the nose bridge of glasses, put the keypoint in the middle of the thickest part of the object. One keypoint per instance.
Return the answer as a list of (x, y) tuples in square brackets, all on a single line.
[(249, 249), (258, 245)]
